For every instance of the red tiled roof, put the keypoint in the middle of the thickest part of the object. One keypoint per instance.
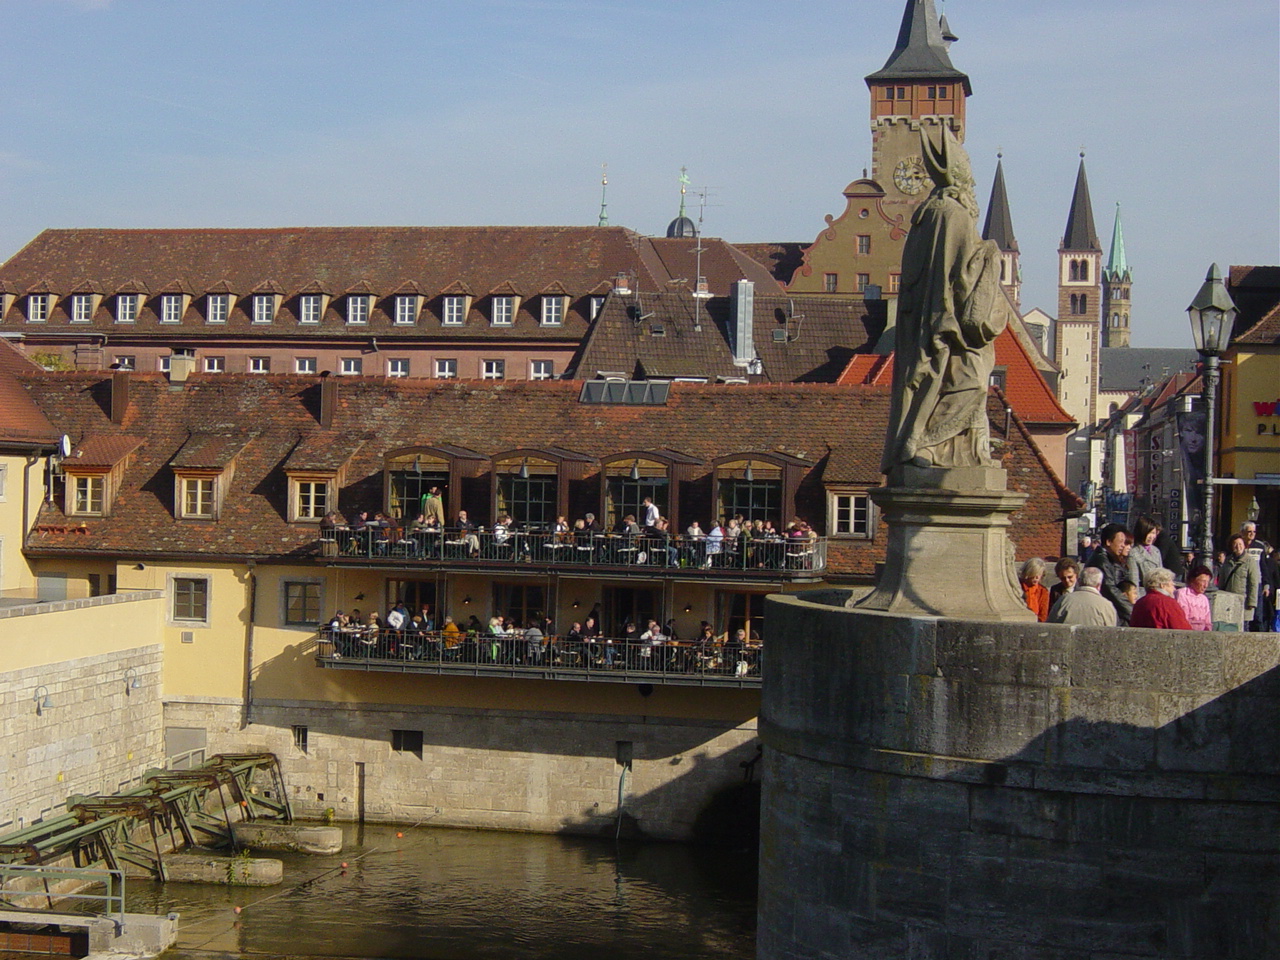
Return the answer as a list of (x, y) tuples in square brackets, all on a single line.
[(20, 419), (102, 451), (869, 369)]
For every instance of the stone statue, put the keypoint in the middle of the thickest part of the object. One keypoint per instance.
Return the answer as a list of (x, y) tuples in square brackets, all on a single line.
[(950, 310)]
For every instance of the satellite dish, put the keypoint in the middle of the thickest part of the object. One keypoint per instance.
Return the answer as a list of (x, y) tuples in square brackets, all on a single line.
[(64, 446)]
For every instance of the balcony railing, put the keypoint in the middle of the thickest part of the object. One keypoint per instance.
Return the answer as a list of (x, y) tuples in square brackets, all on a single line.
[(607, 659), (785, 558)]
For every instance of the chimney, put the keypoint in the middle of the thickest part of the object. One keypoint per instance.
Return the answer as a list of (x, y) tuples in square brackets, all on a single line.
[(744, 309), (119, 395), (328, 399), (622, 283), (182, 363)]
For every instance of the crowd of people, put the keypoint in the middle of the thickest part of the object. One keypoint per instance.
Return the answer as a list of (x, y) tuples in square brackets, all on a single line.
[(1140, 578)]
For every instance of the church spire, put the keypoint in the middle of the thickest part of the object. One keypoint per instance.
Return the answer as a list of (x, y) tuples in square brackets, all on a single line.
[(921, 51), (999, 224), (1117, 264), (1081, 234)]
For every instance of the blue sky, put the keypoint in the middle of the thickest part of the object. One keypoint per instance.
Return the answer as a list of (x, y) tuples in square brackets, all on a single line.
[(287, 113)]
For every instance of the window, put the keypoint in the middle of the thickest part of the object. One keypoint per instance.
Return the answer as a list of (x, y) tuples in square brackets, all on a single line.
[(863, 280), (943, 93), (406, 310), (197, 497), (264, 308), (446, 369), (215, 364), (4, 478), (164, 364), (81, 308), (889, 93), (191, 599), (864, 243), (311, 500), (407, 741), (398, 367), (352, 366), (38, 308), (1084, 270), (596, 304), (357, 308), (87, 495), (895, 281), (259, 364), (933, 93), (300, 738), (301, 603), (1084, 303), (171, 308), (756, 499), (309, 308), (493, 369), (125, 362), (552, 311), (902, 93), (451, 315), (530, 499), (851, 515), (219, 306), (304, 364), (126, 307), (503, 311), (541, 370), (830, 282)]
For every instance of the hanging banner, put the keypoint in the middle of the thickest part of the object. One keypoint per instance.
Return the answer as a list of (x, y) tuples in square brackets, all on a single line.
[(1191, 434), (1131, 460)]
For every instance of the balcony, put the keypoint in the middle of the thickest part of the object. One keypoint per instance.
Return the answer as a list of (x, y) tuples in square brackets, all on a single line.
[(598, 659), (783, 559)]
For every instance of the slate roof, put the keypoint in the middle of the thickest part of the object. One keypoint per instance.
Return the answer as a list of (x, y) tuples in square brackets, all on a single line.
[(1081, 234), (921, 50), (1124, 369), (21, 421), (999, 222), (812, 423), (578, 262)]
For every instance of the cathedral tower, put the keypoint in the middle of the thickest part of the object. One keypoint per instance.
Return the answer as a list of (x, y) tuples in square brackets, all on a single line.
[(1116, 280), (1077, 332), (999, 227)]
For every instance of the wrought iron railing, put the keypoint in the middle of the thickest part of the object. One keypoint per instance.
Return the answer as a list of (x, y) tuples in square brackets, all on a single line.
[(794, 557), (516, 653)]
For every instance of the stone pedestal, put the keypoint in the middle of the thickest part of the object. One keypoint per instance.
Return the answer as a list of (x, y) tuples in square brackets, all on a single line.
[(948, 553)]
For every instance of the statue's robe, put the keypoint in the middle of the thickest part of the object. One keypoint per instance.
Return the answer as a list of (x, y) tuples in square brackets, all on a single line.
[(950, 310)]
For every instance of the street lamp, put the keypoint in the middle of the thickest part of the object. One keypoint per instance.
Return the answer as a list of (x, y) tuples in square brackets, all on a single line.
[(1213, 314)]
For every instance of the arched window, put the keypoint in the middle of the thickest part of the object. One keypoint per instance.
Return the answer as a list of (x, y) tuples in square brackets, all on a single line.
[(1075, 269), (1084, 303), (1075, 303), (1084, 269)]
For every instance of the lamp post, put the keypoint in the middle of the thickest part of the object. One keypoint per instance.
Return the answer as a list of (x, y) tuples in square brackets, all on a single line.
[(1213, 314)]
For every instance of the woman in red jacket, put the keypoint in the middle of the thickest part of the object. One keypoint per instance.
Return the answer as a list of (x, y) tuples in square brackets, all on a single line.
[(1157, 608), (1033, 592)]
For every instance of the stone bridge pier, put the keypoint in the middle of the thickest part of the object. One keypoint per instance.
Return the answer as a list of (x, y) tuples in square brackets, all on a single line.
[(942, 789)]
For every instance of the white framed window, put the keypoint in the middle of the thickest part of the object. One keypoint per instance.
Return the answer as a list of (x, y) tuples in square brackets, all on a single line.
[(446, 369), (125, 361), (88, 496), (304, 365), (357, 308), (398, 367), (552, 311), (309, 308), (81, 308), (197, 497), (864, 280), (37, 308), (352, 366), (171, 308), (310, 499), (596, 304), (4, 479), (126, 307), (219, 305), (406, 311), (215, 364), (541, 369), (493, 369), (164, 364), (190, 599), (264, 308), (852, 515), (259, 364), (504, 309), (303, 603), (451, 314)]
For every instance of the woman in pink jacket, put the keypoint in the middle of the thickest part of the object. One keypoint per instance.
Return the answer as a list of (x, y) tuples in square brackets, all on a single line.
[(1194, 602)]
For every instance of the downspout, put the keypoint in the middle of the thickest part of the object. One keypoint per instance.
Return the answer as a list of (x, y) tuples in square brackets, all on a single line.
[(32, 460), (251, 604)]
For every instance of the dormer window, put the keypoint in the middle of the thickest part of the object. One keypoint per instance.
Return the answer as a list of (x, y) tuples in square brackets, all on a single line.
[(452, 311), (171, 308), (93, 474), (126, 307), (264, 308), (357, 308), (81, 307), (503, 311), (87, 495), (310, 497), (219, 305), (37, 308), (197, 497), (309, 308), (406, 310), (596, 304), (552, 311)]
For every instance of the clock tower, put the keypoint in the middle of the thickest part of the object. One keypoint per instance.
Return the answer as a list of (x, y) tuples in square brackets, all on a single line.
[(916, 90)]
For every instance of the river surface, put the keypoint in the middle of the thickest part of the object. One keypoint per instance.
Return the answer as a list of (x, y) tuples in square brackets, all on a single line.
[(439, 894)]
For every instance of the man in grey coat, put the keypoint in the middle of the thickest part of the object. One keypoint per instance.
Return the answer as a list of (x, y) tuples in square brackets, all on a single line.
[(1085, 605)]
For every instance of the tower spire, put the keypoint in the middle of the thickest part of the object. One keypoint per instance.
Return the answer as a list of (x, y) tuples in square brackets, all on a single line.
[(1117, 263), (921, 50), (682, 226), (1081, 234), (604, 188), (999, 223)]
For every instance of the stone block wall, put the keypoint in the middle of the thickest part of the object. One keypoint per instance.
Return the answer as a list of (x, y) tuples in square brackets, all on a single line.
[(949, 790), (507, 769), (97, 735)]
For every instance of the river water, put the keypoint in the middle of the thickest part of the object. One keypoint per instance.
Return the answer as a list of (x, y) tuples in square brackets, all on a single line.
[(438, 894)]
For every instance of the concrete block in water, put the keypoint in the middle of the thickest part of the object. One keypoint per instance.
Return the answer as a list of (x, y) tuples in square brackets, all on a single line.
[(234, 871), (299, 838)]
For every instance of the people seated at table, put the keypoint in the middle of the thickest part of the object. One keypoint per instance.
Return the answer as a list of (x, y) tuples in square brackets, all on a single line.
[(464, 534), (713, 546), (648, 653)]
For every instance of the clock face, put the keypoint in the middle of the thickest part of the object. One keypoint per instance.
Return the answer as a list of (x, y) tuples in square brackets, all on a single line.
[(909, 176)]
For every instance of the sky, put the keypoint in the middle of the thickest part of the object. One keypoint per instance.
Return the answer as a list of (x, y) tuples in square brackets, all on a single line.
[(259, 113)]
